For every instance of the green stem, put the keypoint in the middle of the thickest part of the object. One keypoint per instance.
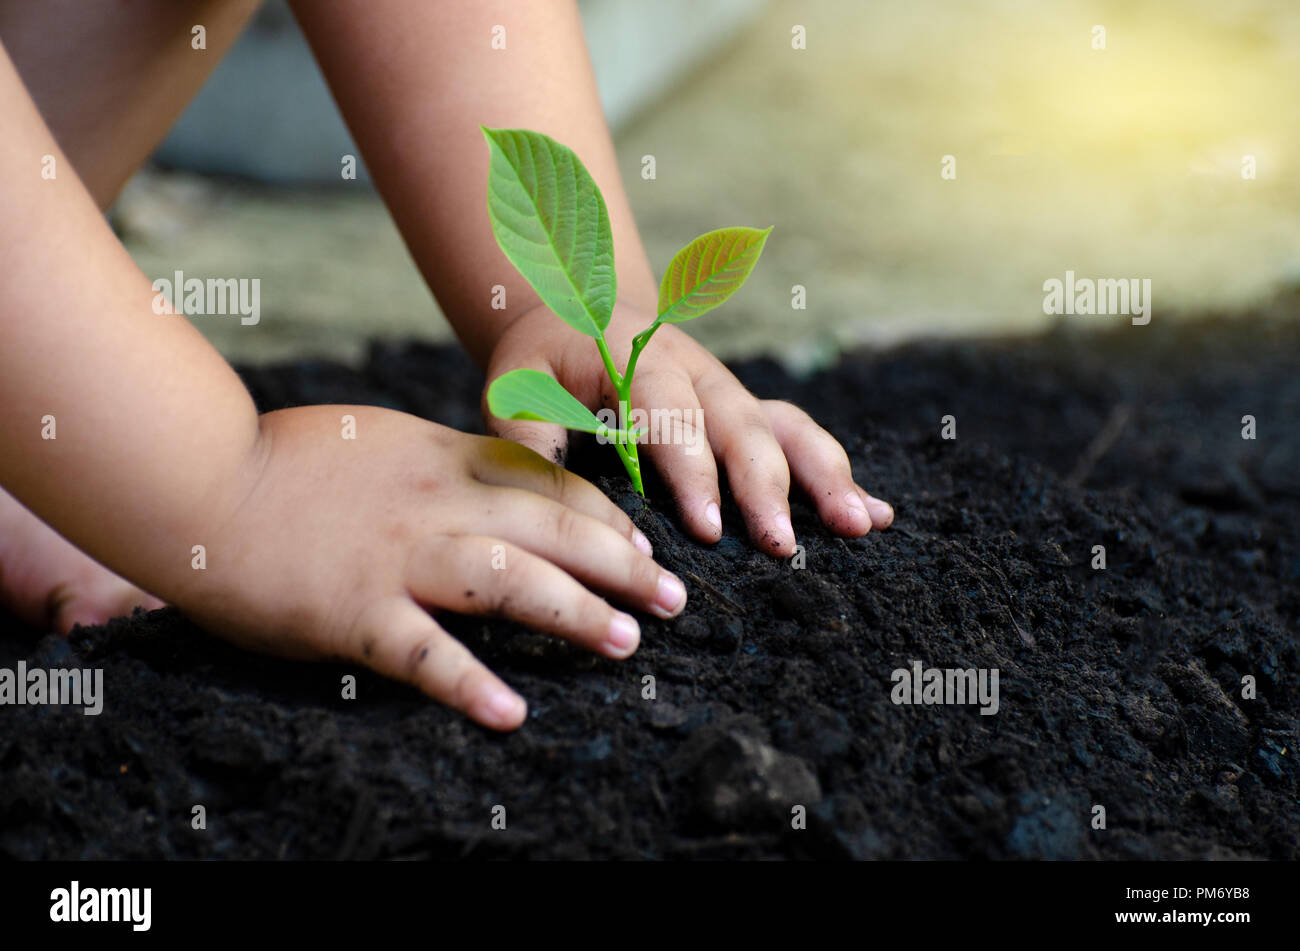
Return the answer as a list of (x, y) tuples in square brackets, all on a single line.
[(626, 447), (614, 376), (638, 344), (624, 386), (631, 464)]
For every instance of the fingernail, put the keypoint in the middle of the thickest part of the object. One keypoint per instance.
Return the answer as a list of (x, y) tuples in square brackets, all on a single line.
[(671, 597), (783, 524), (642, 543), (854, 501), (881, 512), (713, 516), (503, 707), (624, 634)]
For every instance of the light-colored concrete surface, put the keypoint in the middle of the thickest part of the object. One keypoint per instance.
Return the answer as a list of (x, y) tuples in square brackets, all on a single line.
[(333, 269), (1117, 163)]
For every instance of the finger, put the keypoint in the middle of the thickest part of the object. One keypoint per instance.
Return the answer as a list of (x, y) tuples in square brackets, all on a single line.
[(821, 468), (548, 440), (508, 465), (476, 574), (400, 640), (882, 513), (95, 602), (756, 467), (678, 446), (587, 548)]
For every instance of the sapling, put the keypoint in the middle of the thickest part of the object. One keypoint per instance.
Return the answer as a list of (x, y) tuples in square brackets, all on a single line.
[(550, 220)]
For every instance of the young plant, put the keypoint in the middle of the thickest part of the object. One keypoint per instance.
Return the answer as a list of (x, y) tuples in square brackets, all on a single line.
[(550, 220)]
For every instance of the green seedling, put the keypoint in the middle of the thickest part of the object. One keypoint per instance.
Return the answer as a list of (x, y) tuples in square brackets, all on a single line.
[(550, 220)]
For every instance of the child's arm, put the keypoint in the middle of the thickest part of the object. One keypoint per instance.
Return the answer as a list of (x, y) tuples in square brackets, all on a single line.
[(415, 81), (312, 544), (152, 427)]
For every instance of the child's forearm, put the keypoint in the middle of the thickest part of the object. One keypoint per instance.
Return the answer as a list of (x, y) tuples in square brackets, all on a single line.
[(415, 82), (123, 429)]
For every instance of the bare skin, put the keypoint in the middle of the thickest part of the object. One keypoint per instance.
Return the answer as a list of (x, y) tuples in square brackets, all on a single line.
[(372, 52), (313, 545), (49, 584)]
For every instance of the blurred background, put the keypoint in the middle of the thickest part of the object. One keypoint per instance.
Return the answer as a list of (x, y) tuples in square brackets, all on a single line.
[(1122, 162)]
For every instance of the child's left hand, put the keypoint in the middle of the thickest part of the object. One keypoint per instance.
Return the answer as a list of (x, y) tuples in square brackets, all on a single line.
[(760, 443)]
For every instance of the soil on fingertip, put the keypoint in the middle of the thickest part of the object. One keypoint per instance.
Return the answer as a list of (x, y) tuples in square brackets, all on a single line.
[(1161, 689)]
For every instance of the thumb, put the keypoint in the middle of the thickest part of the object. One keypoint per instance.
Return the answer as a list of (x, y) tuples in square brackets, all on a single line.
[(548, 440)]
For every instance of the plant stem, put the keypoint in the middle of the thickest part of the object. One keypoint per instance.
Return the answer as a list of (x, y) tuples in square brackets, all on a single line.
[(625, 445), (624, 386), (638, 344), (631, 464), (630, 460), (614, 376)]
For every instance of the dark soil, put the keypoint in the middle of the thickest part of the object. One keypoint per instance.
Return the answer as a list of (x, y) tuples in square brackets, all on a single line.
[(1119, 687)]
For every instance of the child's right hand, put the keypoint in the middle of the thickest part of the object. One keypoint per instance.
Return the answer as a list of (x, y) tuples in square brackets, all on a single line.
[(335, 547)]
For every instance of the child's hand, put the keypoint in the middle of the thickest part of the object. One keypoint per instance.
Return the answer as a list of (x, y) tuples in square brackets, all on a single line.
[(335, 547), (761, 443), (434, 178)]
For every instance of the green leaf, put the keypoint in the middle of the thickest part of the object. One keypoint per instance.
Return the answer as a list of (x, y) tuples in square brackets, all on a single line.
[(532, 394), (707, 271), (550, 220)]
